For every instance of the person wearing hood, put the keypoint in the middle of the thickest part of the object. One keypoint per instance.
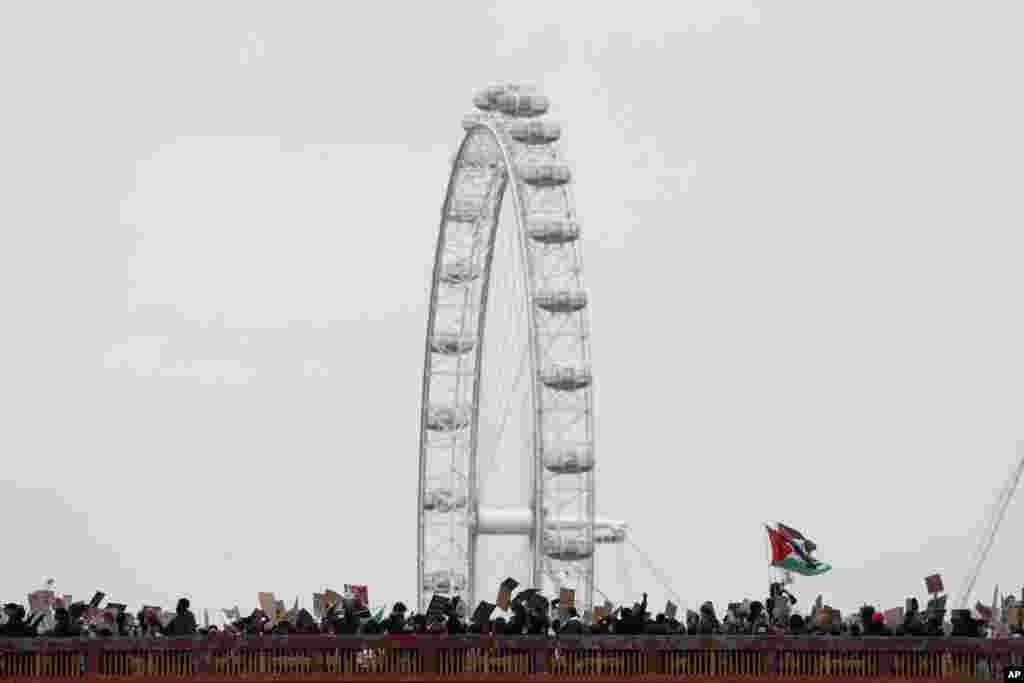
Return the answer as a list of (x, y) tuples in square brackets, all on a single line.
[(395, 623), (184, 622), (708, 620)]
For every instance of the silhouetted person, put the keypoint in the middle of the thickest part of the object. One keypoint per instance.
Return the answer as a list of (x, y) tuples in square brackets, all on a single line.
[(16, 626), (396, 620), (184, 622)]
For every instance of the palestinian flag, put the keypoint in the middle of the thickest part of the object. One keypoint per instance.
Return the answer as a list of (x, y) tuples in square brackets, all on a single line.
[(790, 552)]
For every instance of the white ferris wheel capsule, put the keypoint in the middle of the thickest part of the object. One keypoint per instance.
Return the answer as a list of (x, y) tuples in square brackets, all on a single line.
[(506, 457)]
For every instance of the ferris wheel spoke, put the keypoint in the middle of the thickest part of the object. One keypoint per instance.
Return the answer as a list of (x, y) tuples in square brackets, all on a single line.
[(505, 412)]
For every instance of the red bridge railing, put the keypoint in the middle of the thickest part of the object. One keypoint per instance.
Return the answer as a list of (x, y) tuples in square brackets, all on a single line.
[(426, 658)]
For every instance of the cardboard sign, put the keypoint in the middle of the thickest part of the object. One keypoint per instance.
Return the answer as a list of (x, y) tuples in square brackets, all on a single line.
[(566, 598), (279, 613), (934, 584), (601, 612), (822, 617), (41, 600), (1015, 616), (330, 599), (504, 599), (359, 594), (266, 603)]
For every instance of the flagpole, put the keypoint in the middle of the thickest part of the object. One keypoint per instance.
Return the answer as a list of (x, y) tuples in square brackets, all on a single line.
[(768, 548)]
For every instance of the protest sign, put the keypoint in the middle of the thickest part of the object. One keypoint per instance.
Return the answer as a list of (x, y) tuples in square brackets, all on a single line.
[(894, 616), (934, 584), (40, 601), (359, 594), (823, 616), (266, 603), (280, 612), (330, 599), (504, 600)]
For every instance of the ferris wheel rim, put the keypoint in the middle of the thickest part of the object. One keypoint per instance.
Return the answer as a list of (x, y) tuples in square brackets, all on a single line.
[(521, 218)]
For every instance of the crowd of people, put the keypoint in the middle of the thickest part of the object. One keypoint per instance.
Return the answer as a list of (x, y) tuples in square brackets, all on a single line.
[(529, 613)]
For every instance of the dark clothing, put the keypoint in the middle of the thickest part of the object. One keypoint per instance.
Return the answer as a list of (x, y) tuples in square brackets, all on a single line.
[(65, 629), (16, 628), (573, 627), (183, 624), (395, 623)]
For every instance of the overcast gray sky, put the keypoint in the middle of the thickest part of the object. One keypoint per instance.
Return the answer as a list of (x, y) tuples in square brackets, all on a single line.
[(803, 242)]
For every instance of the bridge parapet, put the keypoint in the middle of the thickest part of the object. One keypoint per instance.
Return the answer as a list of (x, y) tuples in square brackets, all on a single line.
[(433, 658)]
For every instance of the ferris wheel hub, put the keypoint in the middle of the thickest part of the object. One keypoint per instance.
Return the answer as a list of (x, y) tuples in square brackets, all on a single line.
[(503, 521)]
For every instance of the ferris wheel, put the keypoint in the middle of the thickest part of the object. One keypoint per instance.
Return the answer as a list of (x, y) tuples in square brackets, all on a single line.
[(506, 463)]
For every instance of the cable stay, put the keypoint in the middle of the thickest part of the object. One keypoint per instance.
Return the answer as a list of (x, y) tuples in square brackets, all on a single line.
[(988, 537), (658, 574)]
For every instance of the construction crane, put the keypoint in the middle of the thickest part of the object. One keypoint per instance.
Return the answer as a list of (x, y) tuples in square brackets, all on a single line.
[(991, 528)]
